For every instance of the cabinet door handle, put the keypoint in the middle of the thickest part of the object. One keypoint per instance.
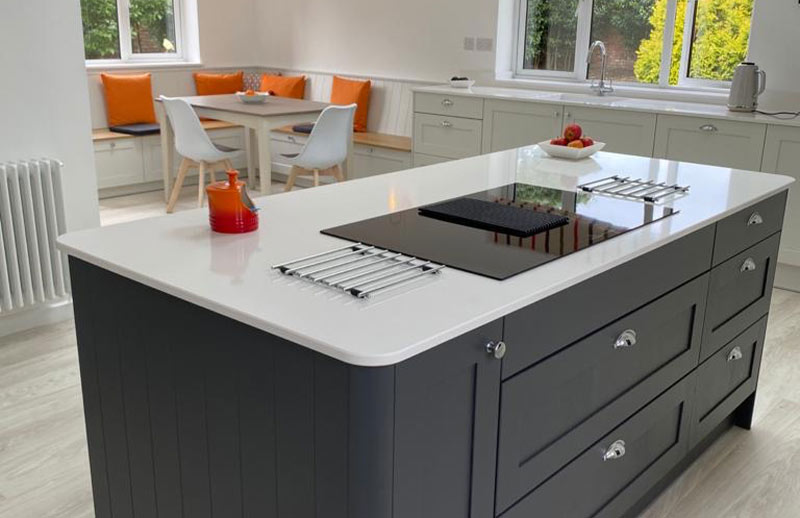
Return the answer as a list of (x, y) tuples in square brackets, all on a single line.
[(292, 139), (447, 102), (626, 339), (749, 265), (710, 128), (496, 349), (755, 219), (735, 354), (558, 114), (615, 451), (447, 124), (113, 145)]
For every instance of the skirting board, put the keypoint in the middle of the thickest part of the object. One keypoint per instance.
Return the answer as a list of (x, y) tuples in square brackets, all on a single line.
[(36, 316), (787, 277)]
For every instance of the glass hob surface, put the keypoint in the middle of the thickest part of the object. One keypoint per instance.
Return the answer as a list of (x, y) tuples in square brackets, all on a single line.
[(592, 219)]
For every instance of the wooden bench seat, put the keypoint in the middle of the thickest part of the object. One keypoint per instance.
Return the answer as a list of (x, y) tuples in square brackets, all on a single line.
[(382, 140), (101, 134)]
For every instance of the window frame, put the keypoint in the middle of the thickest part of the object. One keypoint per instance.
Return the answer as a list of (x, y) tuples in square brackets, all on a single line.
[(583, 35), (127, 56)]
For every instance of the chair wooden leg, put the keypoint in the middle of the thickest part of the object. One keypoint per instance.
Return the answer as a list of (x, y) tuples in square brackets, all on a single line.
[(176, 189), (316, 177), (228, 165), (292, 177), (212, 171), (337, 173), (201, 183)]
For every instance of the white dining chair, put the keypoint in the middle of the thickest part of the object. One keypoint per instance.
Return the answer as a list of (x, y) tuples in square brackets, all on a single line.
[(195, 146), (326, 147)]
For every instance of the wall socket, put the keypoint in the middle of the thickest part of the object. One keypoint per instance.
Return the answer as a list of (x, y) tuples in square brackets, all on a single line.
[(485, 44), (469, 43)]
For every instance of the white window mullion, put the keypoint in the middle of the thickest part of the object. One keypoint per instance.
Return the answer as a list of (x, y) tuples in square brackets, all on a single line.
[(688, 31), (177, 9), (522, 20), (582, 40), (125, 49), (669, 37)]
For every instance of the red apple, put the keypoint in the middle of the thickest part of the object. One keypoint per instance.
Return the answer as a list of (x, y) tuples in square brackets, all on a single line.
[(572, 132), (560, 141), (587, 141), (576, 144)]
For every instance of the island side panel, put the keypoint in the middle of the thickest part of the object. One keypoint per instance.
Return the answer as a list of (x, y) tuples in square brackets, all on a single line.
[(190, 413)]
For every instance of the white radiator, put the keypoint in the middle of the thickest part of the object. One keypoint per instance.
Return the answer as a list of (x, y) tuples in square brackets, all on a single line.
[(32, 270)]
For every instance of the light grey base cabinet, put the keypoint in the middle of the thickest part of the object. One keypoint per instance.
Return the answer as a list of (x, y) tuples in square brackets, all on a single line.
[(605, 392)]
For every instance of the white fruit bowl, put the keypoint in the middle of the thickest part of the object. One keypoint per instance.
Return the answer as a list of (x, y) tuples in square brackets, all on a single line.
[(570, 153), (462, 83), (258, 98)]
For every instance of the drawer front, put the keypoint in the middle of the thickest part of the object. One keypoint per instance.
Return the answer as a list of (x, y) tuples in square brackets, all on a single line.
[(606, 479), (599, 382), (739, 294), (541, 329), (727, 379), (118, 163), (451, 105), (749, 226), (371, 161), (450, 137), (710, 141), (421, 160)]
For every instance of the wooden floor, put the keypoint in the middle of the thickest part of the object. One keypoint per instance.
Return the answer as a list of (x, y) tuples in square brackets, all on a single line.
[(44, 470)]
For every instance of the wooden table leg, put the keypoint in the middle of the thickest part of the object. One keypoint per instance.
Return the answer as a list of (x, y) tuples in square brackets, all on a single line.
[(167, 150), (264, 158), (249, 149), (348, 163)]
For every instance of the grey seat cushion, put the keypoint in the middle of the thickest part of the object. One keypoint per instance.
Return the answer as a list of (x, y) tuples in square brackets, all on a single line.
[(138, 130), (225, 149)]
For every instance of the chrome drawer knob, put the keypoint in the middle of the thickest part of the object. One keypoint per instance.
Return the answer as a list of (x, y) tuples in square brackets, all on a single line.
[(496, 349), (755, 219), (735, 354), (626, 339), (709, 128), (447, 124), (749, 265), (615, 451), (447, 102)]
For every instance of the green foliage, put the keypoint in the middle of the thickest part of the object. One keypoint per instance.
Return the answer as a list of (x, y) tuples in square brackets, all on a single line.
[(648, 57), (150, 20), (151, 23), (550, 33), (626, 17), (100, 32)]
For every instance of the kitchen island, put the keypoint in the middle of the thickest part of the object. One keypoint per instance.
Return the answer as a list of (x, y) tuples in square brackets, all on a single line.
[(215, 386)]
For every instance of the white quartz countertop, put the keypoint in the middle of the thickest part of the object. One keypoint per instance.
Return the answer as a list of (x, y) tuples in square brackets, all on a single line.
[(231, 274), (691, 109)]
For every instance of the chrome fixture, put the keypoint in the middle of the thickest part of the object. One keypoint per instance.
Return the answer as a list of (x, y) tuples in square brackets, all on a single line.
[(636, 190), (615, 451), (496, 349), (600, 88), (626, 339)]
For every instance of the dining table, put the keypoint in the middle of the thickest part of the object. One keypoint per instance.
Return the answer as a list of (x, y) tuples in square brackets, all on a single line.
[(258, 121)]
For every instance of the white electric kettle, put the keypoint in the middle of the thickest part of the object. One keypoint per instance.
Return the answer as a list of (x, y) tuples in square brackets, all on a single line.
[(748, 83)]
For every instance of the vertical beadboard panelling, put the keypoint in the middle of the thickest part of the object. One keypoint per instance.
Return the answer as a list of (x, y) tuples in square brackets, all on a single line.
[(331, 389)]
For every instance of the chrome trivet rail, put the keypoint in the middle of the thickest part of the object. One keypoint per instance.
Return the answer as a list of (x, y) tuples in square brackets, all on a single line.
[(359, 270), (633, 189)]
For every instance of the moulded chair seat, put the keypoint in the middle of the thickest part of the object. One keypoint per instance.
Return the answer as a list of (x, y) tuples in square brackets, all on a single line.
[(195, 146), (326, 147)]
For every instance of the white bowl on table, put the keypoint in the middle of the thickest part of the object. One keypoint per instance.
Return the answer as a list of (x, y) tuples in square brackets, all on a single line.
[(462, 83), (570, 153), (256, 98)]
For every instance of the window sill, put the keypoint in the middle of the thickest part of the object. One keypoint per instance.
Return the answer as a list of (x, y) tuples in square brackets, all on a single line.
[(675, 93), (96, 68)]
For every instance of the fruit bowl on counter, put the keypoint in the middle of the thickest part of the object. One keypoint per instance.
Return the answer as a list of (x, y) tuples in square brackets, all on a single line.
[(572, 145)]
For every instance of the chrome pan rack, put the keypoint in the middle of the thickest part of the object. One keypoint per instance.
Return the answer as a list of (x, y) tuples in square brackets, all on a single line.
[(636, 190), (359, 270)]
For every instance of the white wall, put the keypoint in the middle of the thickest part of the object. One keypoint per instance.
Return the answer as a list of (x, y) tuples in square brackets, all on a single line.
[(44, 107), (406, 39), (228, 33), (774, 40)]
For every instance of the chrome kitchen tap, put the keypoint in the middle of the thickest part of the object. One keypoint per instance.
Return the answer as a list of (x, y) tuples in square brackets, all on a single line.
[(600, 88)]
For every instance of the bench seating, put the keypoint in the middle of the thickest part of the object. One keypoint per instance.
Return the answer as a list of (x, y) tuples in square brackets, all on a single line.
[(381, 140), (101, 134)]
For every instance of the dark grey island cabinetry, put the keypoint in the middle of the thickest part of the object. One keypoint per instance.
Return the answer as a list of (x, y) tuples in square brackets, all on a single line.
[(583, 404)]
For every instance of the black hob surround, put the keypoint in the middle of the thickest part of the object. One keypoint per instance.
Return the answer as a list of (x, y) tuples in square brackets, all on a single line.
[(592, 219)]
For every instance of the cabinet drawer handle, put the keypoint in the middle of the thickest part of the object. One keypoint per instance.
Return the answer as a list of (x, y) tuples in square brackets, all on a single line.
[(735, 354), (447, 102), (749, 265), (755, 219), (496, 349), (708, 128), (291, 139), (626, 339), (615, 451), (447, 124)]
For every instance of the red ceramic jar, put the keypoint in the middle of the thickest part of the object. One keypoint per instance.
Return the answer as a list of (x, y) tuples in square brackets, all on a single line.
[(231, 211)]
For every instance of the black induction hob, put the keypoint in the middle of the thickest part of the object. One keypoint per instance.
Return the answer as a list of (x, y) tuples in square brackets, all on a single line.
[(447, 233)]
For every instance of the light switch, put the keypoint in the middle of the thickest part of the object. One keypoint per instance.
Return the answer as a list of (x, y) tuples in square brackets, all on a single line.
[(469, 43), (485, 44)]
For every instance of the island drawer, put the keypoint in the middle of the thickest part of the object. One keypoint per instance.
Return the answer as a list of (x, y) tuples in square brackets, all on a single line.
[(727, 379), (565, 403), (451, 105), (607, 478), (749, 226), (450, 137), (541, 329), (739, 294)]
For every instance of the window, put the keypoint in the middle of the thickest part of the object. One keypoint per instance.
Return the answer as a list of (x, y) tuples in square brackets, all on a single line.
[(131, 30), (657, 42)]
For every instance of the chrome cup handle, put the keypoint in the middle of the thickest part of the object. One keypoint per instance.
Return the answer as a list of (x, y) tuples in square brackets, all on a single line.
[(615, 451), (749, 265), (626, 339), (755, 219), (735, 354)]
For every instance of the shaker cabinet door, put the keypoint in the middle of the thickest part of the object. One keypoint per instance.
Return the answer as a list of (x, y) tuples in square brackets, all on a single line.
[(782, 156), (632, 133), (513, 124)]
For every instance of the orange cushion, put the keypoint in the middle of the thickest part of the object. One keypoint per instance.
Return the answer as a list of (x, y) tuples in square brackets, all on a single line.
[(346, 91), (218, 84), (129, 99), (294, 87)]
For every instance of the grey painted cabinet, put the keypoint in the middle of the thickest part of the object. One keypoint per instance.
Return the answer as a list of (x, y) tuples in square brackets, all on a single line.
[(513, 124), (628, 132)]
